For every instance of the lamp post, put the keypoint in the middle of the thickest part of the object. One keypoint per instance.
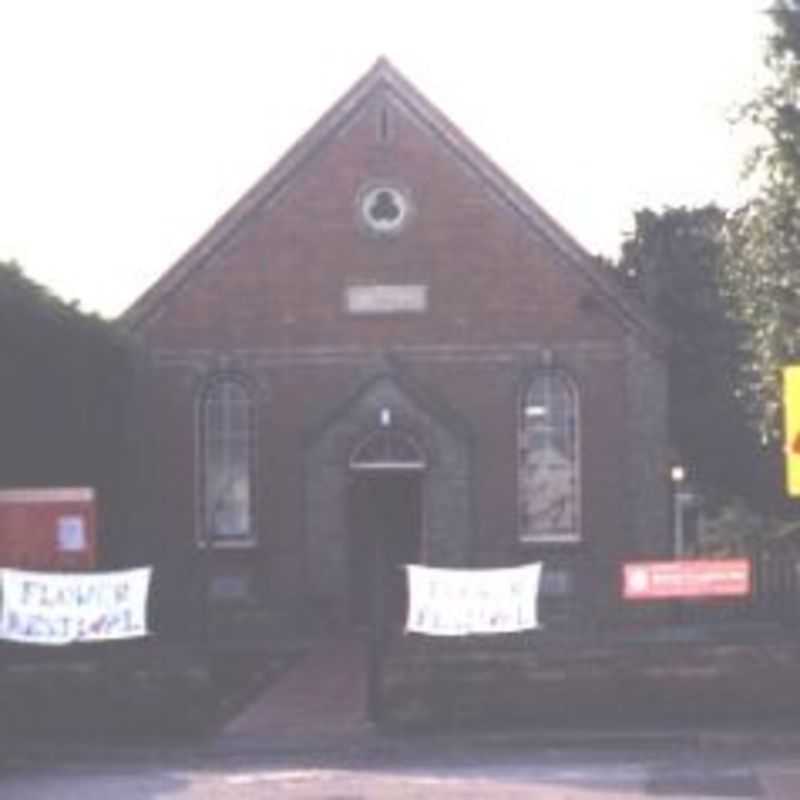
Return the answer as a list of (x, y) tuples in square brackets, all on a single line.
[(678, 475)]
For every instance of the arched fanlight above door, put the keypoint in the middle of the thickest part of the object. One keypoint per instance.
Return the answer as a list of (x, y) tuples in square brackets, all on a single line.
[(389, 450)]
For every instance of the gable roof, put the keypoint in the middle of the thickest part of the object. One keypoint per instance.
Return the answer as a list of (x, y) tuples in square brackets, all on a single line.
[(385, 78)]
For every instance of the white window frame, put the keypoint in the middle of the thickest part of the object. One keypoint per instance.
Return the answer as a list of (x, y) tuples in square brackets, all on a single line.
[(205, 535), (526, 412)]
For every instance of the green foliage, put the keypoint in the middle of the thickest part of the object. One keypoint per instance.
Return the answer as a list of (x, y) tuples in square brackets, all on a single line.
[(761, 273), (64, 376), (736, 530), (674, 260)]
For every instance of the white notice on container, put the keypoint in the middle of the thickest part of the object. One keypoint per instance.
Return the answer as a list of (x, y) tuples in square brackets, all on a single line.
[(71, 533)]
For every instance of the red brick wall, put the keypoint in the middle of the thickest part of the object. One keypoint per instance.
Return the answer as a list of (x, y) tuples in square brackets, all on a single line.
[(279, 280)]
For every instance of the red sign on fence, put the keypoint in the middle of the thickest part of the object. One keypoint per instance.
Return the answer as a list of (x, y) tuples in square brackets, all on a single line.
[(658, 580)]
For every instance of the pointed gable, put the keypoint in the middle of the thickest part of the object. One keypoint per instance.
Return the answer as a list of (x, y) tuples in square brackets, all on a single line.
[(395, 101)]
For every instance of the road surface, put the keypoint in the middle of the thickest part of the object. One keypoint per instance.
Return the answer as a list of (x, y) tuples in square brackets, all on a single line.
[(663, 770)]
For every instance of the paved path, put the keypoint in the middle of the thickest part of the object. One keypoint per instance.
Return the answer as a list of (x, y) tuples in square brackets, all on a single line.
[(322, 696)]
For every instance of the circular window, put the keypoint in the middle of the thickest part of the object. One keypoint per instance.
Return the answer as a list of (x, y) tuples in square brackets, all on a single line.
[(384, 209)]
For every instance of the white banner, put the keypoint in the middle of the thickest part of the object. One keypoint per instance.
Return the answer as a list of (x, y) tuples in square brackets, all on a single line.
[(57, 608), (457, 602)]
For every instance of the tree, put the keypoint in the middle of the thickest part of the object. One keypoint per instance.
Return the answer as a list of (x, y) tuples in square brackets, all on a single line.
[(673, 259), (761, 273), (65, 378)]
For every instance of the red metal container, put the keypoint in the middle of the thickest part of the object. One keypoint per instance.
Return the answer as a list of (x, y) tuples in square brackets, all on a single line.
[(48, 529)]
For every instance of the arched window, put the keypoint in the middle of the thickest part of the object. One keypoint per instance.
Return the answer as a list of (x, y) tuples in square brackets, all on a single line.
[(549, 469), (226, 463)]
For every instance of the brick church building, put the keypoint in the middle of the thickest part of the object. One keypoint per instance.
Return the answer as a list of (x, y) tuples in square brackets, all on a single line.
[(386, 349)]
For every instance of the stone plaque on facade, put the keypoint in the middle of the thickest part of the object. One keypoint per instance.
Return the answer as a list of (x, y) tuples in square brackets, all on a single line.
[(386, 299)]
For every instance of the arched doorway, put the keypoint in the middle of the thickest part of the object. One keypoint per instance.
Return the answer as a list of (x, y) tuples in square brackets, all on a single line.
[(351, 446), (386, 519)]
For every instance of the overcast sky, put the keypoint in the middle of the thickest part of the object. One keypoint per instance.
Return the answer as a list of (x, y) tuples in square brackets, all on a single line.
[(128, 128)]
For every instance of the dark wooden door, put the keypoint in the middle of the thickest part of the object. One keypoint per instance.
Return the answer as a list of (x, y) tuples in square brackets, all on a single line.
[(385, 534)]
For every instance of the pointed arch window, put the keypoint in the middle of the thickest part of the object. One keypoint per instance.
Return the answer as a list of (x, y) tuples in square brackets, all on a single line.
[(226, 461), (548, 466)]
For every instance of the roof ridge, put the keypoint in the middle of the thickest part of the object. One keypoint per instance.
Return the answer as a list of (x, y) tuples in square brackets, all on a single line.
[(142, 307), (383, 72)]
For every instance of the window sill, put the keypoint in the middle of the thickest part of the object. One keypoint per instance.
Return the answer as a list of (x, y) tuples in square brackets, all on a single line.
[(224, 544), (531, 540)]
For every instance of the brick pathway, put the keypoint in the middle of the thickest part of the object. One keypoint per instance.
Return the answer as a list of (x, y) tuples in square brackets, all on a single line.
[(324, 695)]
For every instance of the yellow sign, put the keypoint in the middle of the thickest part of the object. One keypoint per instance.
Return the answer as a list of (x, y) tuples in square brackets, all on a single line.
[(791, 427)]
